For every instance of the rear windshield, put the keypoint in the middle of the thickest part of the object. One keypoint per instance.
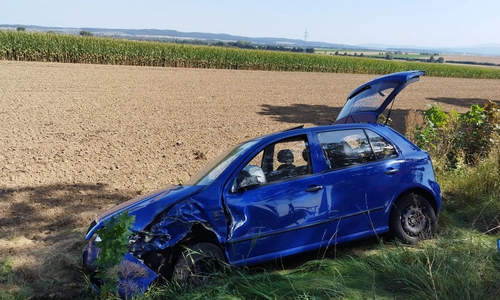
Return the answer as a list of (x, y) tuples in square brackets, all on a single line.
[(369, 99)]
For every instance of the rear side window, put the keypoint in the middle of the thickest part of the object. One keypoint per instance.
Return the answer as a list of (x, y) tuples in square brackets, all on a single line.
[(343, 148), (382, 148)]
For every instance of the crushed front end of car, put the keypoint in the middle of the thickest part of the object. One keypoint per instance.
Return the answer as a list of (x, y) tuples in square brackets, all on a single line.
[(162, 219)]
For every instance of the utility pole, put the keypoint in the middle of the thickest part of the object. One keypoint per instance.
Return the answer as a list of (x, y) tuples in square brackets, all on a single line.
[(305, 40)]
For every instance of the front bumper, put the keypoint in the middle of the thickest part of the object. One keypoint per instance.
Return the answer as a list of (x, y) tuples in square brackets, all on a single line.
[(135, 276)]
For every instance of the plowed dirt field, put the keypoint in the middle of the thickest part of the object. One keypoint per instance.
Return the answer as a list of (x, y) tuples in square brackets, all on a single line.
[(78, 139)]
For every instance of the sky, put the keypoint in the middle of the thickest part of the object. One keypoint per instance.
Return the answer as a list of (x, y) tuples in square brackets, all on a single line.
[(423, 23)]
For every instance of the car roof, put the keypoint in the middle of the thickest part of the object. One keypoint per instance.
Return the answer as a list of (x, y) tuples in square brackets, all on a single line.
[(300, 130)]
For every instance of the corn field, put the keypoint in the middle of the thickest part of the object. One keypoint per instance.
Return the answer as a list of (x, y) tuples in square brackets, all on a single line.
[(51, 47)]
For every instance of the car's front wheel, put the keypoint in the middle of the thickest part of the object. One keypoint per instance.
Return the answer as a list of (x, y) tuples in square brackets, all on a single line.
[(412, 219), (198, 263)]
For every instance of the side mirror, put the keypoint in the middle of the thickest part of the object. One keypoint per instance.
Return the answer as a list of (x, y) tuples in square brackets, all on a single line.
[(250, 176), (248, 181)]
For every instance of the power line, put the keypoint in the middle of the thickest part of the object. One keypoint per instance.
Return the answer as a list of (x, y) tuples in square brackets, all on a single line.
[(305, 39)]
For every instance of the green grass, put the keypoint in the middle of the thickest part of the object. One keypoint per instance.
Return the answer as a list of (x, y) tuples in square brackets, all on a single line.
[(9, 289)]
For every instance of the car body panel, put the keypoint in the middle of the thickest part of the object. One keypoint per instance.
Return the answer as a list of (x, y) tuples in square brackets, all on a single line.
[(278, 212), (145, 207)]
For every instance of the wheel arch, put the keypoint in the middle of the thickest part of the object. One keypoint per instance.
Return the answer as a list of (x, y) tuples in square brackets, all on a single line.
[(418, 191), (200, 234)]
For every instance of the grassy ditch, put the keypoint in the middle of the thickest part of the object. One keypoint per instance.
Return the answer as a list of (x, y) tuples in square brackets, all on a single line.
[(459, 264)]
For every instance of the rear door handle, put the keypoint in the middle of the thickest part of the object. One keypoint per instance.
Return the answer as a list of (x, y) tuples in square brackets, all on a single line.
[(314, 188), (391, 171)]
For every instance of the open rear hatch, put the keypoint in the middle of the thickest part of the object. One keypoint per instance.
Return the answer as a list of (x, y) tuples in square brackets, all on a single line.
[(367, 102)]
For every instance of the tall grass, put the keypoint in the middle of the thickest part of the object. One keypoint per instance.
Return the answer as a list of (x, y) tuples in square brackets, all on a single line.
[(458, 265), (50, 47), (472, 194)]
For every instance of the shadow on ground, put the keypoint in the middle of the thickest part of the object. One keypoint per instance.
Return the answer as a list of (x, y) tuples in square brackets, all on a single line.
[(53, 207), (42, 231), (322, 115), (301, 113), (462, 102)]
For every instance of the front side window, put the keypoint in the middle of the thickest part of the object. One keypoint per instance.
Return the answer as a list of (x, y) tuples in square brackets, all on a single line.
[(279, 161), (343, 148)]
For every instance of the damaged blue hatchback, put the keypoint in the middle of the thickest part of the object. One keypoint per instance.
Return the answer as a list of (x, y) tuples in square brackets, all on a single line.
[(286, 193)]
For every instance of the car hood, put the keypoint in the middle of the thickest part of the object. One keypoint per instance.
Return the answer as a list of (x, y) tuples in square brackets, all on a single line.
[(367, 102), (146, 207)]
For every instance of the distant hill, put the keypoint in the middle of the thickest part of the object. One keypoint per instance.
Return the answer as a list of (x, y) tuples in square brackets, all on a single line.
[(174, 34), (166, 34)]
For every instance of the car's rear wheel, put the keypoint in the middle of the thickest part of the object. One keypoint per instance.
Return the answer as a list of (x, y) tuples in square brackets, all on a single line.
[(412, 219), (197, 264)]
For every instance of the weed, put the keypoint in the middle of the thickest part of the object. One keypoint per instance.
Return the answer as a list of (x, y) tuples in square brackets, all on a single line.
[(113, 244)]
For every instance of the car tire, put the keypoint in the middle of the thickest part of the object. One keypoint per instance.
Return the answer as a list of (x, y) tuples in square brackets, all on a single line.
[(412, 219), (197, 264)]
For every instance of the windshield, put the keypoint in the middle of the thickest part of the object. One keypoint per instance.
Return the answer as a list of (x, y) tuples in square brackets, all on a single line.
[(211, 171)]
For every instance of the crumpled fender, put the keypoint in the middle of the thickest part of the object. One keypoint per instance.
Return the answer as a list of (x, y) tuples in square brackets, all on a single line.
[(146, 207), (175, 224)]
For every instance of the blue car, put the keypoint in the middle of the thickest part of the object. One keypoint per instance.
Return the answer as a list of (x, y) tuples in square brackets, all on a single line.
[(285, 193)]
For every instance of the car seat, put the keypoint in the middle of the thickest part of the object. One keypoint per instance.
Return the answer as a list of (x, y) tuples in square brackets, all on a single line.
[(285, 157)]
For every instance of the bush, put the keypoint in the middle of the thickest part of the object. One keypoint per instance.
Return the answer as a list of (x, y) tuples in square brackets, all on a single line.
[(452, 137)]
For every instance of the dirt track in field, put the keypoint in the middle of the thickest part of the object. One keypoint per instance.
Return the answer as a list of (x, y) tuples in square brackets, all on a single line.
[(78, 139)]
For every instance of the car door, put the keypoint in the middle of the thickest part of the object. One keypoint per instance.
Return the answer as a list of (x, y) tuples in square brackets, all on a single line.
[(278, 216), (361, 179)]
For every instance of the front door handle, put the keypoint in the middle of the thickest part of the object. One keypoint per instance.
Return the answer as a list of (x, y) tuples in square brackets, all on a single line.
[(314, 188), (391, 171)]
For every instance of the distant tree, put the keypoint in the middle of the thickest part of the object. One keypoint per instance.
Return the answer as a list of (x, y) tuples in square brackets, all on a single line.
[(86, 33), (440, 60), (432, 59), (244, 44), (336, 53), (355, 53), (389, 56), (345, 53), (21, 28), (362, 55)]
